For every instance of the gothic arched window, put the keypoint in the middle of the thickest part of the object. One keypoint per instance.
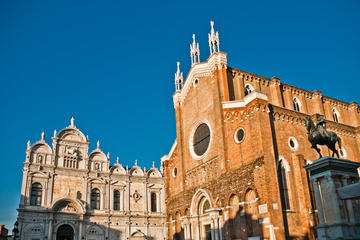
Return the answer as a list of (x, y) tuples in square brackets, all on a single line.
[(116, 200), (335, 115), (153, 202), (296, 104), (284, 189), (36, 194), (95, 199)]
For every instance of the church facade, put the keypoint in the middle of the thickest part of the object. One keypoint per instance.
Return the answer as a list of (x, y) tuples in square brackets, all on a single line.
[(236, 169), (68, 193)]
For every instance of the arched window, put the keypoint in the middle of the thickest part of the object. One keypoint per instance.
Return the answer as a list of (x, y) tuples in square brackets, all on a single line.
[(283, 180), (153, 202), (247, 89), (116, 200), (251, 213), (296, 104), (335, 115), (95, 199), (36, 194)]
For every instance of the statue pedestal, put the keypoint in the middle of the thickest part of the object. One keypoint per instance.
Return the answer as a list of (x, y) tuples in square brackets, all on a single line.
[(338, 219)]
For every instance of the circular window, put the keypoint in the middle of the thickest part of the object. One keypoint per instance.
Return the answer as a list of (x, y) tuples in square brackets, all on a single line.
[(293, 144), (174, 173), (196, 81), (239, 135), (201, 139)]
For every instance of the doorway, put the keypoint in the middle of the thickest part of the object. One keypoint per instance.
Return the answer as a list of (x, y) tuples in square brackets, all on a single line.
[(65, 232)]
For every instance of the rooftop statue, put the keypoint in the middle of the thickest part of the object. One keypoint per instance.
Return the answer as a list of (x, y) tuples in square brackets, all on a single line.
[(318, 135)]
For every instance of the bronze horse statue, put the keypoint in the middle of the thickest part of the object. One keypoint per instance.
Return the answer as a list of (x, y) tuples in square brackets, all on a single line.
[(318, 135)]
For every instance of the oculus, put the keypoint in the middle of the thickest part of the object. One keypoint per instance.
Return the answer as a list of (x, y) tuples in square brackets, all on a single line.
[(239, 135), (201, 139)]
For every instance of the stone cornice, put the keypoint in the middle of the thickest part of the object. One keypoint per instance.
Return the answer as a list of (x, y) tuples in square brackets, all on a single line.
[(298, 118), (243, 113)]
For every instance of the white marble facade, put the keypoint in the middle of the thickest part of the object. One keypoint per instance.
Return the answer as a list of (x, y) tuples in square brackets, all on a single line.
[(68, 193)]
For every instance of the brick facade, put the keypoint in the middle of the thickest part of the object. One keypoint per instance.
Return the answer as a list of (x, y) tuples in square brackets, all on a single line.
[(241, 180)]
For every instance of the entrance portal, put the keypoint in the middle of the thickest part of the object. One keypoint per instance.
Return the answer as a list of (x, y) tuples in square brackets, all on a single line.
[(65, 232)]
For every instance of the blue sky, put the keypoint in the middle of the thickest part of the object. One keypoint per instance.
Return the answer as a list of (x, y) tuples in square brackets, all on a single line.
[(111, 65)]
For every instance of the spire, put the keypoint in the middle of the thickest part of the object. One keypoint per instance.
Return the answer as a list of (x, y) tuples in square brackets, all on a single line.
[(42, 136), (153, 166), (135, 162), (72, 122), (213, 40), (108, 155), (54, 133), (178, 78), (117, 160), (194, 51), (98, 144), (28, 145)]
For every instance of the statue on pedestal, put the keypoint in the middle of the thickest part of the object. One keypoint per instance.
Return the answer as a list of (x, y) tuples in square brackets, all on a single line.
[(318, 135)]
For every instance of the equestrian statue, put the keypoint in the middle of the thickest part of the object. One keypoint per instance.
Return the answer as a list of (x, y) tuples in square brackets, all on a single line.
[(318, 135)]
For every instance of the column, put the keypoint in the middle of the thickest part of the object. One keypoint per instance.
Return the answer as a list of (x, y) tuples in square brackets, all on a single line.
[(216, 226), (212, 229), (220, 228), (319, 200), (348, 203), (50, 228), (80, 229)]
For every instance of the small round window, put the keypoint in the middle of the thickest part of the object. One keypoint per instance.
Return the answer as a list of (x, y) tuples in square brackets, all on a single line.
[(174, 172), (195, 83), (201, 139), (293, 144), (239, 135)]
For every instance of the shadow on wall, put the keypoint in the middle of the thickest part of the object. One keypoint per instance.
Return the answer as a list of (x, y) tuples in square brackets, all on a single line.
[(240, 226), (65, 220)]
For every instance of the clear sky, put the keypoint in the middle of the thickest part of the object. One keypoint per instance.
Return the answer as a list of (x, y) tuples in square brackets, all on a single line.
[(111, 65)]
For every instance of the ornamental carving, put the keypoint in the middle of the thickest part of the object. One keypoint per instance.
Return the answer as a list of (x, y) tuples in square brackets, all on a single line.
[(136, 196)]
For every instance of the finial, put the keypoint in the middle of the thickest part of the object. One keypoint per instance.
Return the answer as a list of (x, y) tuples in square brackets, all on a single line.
[(117, 160), (72, 121), (28, 145), (98, 144), (214, 43), (178, 78), (194, 51), (136, 162), (42, 136), (87, 138), (54, 133), (108, 155), (153, 166)]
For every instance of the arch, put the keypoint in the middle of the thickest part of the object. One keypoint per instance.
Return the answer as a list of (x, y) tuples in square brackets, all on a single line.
[(199, 197), (234, 203), (65, 232), (72, 134), (117, 169), (97, 155), (154, 173), (36, 194), (138, 235), (296, 104), (283, 169), (95, 232), (335, 114), (95, 199), (116, 206), (136, 171), (63, 202)]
